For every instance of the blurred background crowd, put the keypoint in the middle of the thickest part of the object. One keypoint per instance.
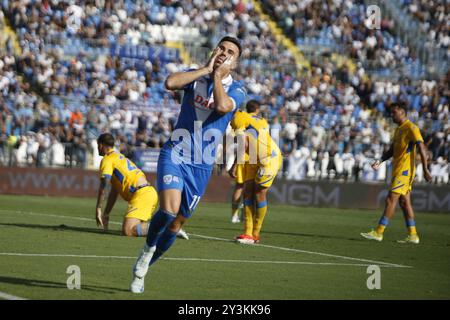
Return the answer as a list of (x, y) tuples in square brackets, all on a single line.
[(70, 70)]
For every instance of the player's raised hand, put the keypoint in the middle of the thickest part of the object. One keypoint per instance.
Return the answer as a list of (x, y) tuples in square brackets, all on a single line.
[(224, 69), (210, 64), (376, 165)]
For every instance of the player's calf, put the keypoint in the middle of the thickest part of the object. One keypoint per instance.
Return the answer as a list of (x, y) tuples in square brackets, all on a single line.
[(133, 227)]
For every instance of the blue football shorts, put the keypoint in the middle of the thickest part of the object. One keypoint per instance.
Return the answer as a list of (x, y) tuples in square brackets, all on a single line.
[(190, 180)]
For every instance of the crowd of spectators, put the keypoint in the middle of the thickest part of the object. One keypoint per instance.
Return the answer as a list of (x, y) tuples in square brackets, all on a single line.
[(433, 18), (345, 24), (332, 121)]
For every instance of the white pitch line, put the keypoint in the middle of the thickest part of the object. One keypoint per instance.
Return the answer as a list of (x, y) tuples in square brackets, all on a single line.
[(311, 252), (188, 259), (228, 240), (6, 296)]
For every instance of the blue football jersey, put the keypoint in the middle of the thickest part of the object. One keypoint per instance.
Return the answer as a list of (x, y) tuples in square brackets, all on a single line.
[(199, 128)]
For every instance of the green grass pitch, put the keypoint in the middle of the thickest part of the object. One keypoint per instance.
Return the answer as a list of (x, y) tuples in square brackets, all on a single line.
[(305, 253)]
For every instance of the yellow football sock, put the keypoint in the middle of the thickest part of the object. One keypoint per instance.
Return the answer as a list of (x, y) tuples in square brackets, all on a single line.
[(261, 210), (380, 229), (412, 231), (382, 225), (249, 210), (411, 225)]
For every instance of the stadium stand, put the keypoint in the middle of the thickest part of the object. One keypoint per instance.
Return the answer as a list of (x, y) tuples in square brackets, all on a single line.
[(71, 70), (433, 17)]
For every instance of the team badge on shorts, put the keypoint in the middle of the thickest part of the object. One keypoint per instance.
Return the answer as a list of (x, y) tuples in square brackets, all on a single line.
[(168, 179)]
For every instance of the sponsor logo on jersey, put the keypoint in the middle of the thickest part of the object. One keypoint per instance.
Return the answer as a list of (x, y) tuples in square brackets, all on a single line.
[(203, 103)]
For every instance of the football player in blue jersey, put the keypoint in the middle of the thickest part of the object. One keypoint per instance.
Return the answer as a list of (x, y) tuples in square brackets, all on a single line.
[(185, 163)]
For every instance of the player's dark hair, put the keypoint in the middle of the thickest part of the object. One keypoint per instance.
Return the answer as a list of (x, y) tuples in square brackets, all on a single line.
[(106, 139), (252, 106), (401, 105), (232, 40)]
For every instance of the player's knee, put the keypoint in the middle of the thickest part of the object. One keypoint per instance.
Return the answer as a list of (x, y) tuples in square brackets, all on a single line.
[(128, 233), (129, 230), (404, 203), (390, 200), (260, 197), (261, 194)]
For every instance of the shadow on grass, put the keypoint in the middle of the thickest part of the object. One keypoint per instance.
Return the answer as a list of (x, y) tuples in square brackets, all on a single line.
[(55, 285), (235, 231), (62, 227)]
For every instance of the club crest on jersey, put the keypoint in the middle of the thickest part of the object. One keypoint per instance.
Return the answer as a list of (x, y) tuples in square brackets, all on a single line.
[(167, 178)]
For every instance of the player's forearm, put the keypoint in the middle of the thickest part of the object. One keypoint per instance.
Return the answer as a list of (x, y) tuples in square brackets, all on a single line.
[(111, 201), (388, 154), (178, 80), (423, 156), (100, 196), (223, 103), (101, 193)]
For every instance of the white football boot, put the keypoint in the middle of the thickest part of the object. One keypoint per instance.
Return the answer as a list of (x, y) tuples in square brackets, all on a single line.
[(235, 219), (182, 234), (137, 285), (412, 238), (372, 235), (140, 268)]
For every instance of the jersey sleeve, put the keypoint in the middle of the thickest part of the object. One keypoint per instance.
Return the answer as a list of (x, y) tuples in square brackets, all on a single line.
[(239, 122), (238, 94), (106, 168), (415, 134)]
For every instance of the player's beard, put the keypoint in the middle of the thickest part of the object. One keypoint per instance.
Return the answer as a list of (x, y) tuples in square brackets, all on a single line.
[(397, 121)]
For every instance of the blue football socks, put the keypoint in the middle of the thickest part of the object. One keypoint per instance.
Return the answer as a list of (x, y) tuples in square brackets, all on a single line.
[(158, 224), (164, 243)]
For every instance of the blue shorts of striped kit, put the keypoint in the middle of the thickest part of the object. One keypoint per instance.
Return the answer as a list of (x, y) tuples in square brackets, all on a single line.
[(190, 180)]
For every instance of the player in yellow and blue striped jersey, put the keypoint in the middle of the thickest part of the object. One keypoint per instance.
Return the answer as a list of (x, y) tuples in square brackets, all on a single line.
[(262, 161), (128, 181), (407, 139)]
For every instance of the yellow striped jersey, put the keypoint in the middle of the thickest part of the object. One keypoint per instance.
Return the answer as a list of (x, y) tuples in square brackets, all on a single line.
[(261, 146), (123, 173), (406, 137)]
